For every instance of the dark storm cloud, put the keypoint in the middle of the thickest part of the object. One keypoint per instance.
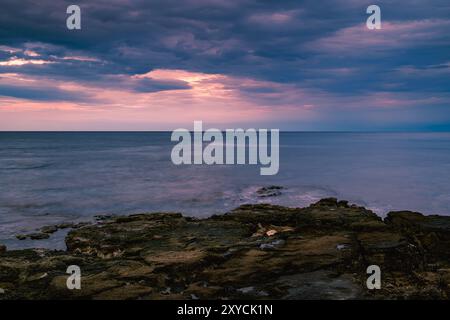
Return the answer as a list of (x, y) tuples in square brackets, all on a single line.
[(46, 94)]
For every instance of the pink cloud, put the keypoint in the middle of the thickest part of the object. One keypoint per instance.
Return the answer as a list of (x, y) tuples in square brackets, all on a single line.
[(81, 58), (214, 98), (14, 61), (280, 17), (31, 53), (9, 49)]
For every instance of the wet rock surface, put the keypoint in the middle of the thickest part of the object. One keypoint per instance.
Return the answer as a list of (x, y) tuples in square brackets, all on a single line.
[(253, 252), (46, 231), (271, 191)]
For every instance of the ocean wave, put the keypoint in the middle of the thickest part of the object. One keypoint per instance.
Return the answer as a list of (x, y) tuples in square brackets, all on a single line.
[(20, 164)]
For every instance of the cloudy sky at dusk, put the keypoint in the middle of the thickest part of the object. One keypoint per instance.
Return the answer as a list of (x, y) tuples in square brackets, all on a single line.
[(160, 65)]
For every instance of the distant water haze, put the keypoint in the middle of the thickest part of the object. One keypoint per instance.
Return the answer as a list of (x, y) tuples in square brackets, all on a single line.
[(54, 177)]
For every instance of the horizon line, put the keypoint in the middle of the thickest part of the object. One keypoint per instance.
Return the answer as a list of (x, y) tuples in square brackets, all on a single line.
[(281, 131)]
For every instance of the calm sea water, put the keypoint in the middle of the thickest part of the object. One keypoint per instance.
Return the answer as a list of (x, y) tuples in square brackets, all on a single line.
[(48, 178)]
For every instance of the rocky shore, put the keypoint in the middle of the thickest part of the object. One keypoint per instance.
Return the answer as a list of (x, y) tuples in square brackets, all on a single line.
[(253, 252)]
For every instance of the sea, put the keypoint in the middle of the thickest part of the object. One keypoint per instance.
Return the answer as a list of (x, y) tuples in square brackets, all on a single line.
[(48, 178)]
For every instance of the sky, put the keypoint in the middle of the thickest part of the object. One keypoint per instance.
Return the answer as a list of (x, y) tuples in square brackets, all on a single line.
[(160, 65)]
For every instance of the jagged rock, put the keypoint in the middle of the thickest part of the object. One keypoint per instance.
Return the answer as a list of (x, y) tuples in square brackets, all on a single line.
[(49, 229), (271, 191), (326, 202), (46, 231), (416, 220), (39, 236), (65, 225), (253, 252), (2, 248), (103, 217), (432, 233), (33, 236)]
